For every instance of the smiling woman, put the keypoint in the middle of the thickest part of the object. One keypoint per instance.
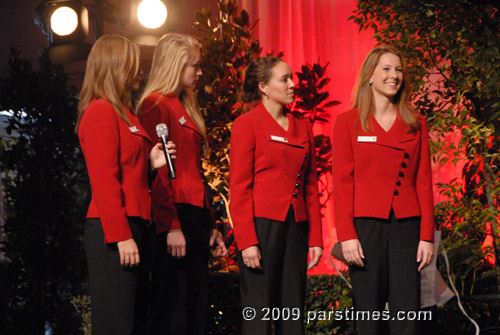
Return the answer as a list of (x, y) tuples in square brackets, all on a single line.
[(383, 192)]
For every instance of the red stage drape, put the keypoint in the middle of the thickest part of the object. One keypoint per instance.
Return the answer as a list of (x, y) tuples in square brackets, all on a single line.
[(310, 30)]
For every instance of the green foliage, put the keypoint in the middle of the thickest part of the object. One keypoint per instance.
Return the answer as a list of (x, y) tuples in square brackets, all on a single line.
[(43, 180), (326, 295), (453, 53), (82, 307), (310, 102), (227, 49)]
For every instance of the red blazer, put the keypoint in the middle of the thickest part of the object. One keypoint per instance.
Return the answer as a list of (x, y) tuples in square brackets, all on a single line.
[(271, 169), (374, 172), (188, 187), (117, 156)]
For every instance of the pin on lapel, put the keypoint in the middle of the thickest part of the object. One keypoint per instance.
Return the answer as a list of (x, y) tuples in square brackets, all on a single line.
[(133, 129), (279, 138), (182, 120)]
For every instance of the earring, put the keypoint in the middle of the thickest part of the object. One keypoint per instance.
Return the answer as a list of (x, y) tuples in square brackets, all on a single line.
[(370, 82), (267, 95)]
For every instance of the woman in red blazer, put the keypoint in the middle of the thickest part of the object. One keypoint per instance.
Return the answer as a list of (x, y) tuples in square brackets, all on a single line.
[(116, 150), (274, 199), (180, 280), (383, 192)]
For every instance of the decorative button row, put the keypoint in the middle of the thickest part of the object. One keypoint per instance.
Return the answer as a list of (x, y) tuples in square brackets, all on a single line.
[(401, 174)]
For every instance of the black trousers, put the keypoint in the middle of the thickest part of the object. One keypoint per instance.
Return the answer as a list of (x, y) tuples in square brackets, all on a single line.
[(180, 286), (390, 273), (282, 282), (118, 294)]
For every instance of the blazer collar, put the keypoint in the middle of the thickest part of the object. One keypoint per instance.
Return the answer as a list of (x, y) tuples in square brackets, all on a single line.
[(396, 135), (273, 128)]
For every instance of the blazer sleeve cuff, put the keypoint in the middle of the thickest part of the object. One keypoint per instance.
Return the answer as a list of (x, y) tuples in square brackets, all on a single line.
[(111, 233)]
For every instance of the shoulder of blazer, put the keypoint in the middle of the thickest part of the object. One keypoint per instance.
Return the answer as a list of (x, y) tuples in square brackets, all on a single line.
[(350, 119), (421, 119), (299, 118), (153, 100), (250, 116), (100, 104), (99, 109), (351, 115)]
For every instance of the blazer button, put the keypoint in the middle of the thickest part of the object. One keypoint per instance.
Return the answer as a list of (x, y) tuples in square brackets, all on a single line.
[(398, 183), (406, 155), (396, 192), (403, 164), (306, 156), (299, 175), (297, 185), (295, 194), (401, 174)]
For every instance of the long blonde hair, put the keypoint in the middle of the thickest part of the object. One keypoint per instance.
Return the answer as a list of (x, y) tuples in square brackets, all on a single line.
[(169, 60), (364, 99), (112, 67)]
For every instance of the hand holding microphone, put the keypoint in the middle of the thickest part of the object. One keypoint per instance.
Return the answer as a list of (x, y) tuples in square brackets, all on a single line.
[(162, 132), (157, 157)]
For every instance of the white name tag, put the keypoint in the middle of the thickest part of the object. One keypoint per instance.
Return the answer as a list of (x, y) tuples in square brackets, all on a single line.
[(182, 120), (133, 129), (279, 138), (367, 138)]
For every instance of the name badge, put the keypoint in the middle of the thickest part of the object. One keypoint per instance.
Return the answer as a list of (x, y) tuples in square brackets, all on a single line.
[(367, 138), (182, 120), (133, 129), (279, 138)]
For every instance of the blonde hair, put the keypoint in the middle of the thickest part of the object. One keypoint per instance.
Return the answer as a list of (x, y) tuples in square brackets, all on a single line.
[(112, 67), (364, 99), (169, 60)]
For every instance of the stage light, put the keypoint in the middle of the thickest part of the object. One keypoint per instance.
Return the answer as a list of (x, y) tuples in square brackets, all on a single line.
[(66, 24), (147, 20), (63, 21), (152, 14)]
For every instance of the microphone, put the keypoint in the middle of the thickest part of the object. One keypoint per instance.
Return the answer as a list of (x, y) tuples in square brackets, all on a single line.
[(162, 132)]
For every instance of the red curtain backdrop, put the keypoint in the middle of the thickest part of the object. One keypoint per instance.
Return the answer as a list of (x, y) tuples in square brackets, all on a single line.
[(310, 30)]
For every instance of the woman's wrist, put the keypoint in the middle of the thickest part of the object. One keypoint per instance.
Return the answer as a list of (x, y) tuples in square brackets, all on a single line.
[(174, 230)]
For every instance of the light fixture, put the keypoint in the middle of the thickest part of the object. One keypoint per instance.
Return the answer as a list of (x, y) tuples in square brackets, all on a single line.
[(63, 21), (66, 24), (148, 19), (152, 14)]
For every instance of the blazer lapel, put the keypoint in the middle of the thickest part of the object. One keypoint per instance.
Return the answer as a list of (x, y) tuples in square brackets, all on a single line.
[(404, 135), (275, 132), (385, 138), (184, 119)]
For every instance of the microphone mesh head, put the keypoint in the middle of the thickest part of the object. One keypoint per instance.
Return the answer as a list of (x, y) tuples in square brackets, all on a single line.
[(161, 129)]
